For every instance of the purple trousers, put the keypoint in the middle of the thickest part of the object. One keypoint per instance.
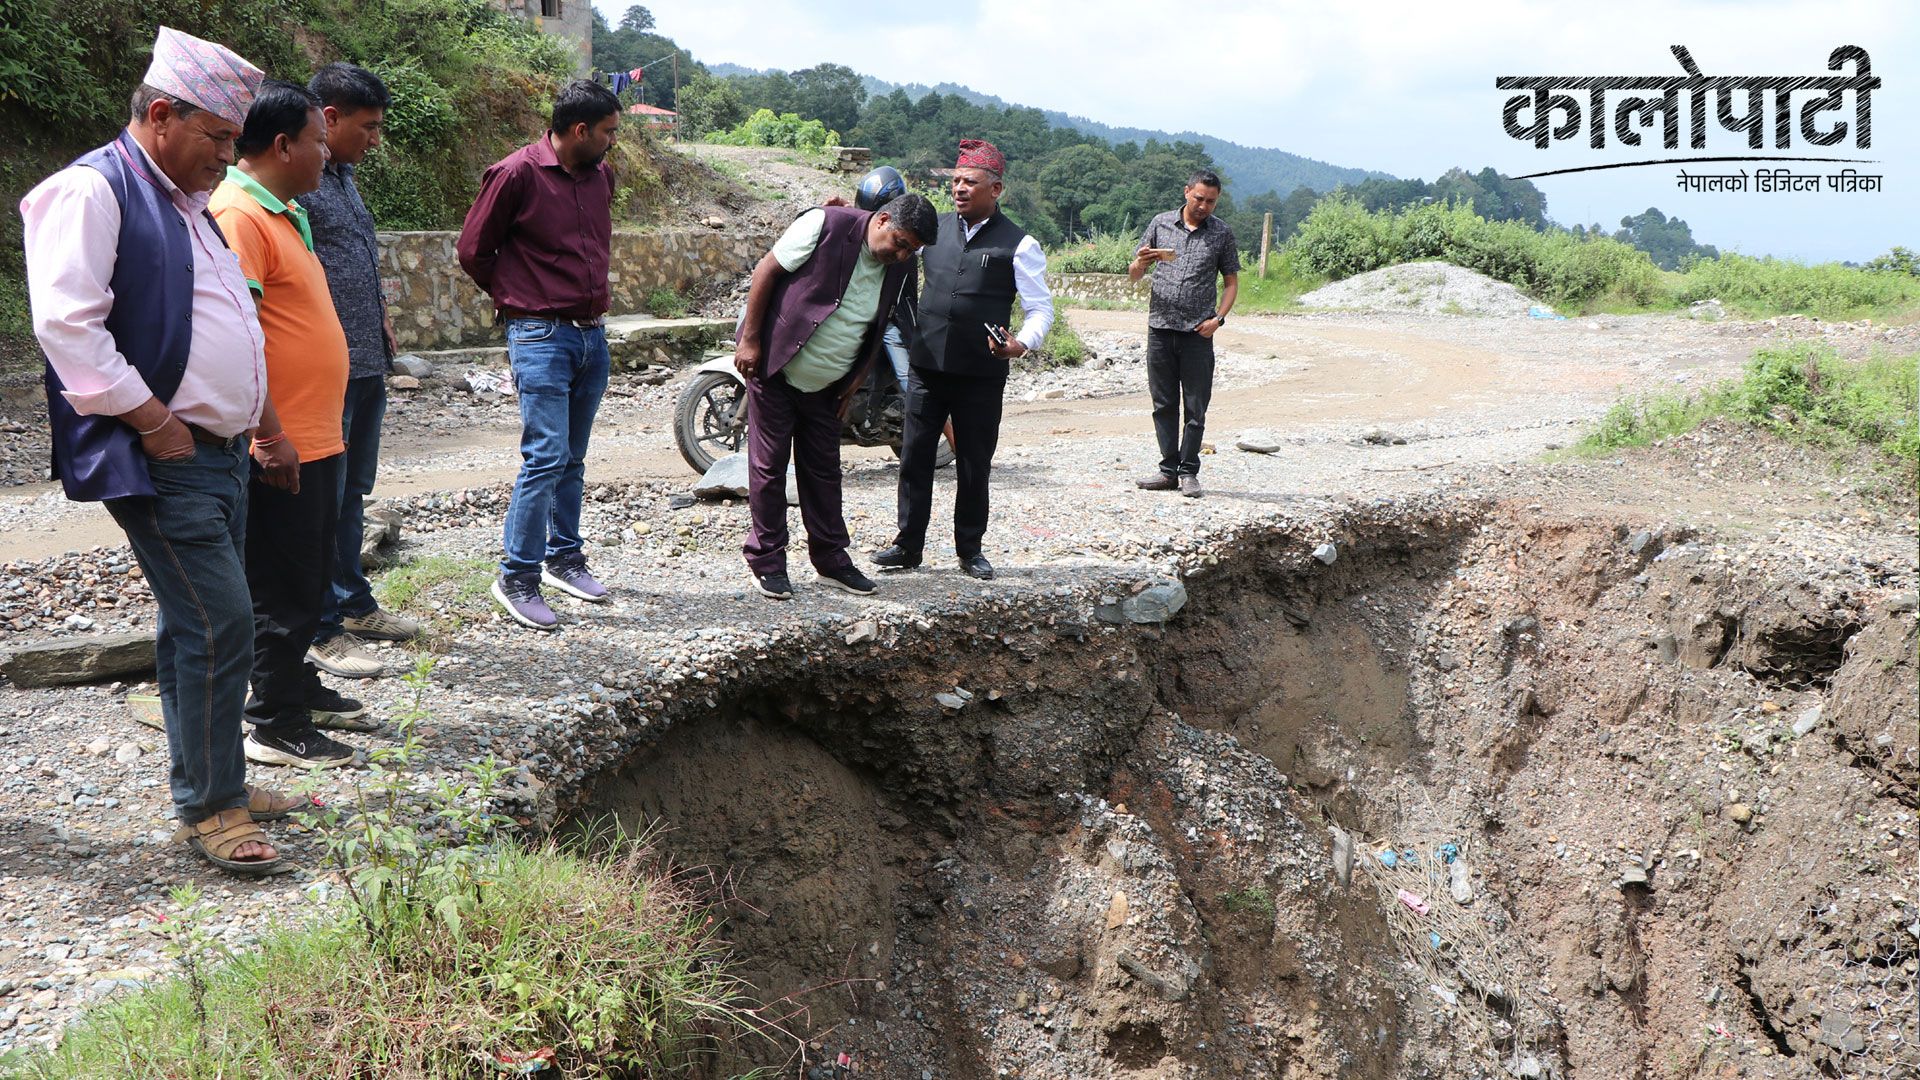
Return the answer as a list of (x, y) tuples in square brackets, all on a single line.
[(783, 422)]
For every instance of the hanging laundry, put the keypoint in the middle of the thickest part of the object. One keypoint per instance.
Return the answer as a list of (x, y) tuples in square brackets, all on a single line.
[(621, 80), (638, 74)]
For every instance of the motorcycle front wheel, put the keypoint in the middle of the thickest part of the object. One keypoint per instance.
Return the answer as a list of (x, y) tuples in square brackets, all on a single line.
[(710, 420)]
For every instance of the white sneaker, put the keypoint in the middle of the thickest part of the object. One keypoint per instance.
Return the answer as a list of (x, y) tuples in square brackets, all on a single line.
[(346, 656)]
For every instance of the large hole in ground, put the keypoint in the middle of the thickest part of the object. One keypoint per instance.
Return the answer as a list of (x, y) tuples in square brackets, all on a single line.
[(1120, 854)]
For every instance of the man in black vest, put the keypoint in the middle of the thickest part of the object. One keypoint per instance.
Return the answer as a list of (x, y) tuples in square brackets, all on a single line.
[(959, 359)]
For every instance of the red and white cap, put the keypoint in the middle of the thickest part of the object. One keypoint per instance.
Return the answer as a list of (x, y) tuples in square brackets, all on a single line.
[(209, 75)]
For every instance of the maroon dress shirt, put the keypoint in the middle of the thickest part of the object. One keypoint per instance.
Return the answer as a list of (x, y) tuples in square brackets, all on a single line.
[(539, 236)]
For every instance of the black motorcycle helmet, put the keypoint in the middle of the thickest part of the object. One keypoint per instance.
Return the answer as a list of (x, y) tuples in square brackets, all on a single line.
[(880, 187)]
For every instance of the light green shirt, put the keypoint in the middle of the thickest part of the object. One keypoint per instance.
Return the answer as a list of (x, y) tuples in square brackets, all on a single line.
[(835, 344)]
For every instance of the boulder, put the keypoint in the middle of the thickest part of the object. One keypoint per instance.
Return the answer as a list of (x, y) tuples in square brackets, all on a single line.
[(80, 660)]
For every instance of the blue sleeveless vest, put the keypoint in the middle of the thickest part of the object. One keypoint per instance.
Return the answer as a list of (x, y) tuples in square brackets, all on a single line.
[(98, 457)]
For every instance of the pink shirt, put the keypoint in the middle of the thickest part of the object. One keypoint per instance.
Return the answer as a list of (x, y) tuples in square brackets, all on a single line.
[(72, 242)]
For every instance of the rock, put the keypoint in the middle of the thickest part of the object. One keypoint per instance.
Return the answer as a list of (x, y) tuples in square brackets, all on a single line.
[(1444, 994), (1667, 646), (1460, 882), (1381, 437), (950, 701), (1633, 874), (128, 753), (1739, 812), (713, 221), (1808, 720), (63, 663), (411, 366), (1527, 1068), (403, 382), (77, 622), (1708, 310), (1638, 541), (1258, 442), (1326, 553), (864, 630), (1903, 603), (100, 747), (1342, 855), (1837, 1031), (726, 479), (1117, 911), (1156, 603)]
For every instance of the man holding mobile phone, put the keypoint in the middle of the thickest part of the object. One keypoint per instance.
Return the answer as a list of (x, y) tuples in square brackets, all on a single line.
[(958, 364), (1188, 249)]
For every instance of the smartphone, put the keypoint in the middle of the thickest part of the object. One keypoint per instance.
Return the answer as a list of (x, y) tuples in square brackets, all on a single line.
[(1163, 254), (996, 335)]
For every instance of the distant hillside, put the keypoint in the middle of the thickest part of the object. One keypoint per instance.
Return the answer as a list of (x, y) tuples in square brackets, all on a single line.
[(1248, 170)]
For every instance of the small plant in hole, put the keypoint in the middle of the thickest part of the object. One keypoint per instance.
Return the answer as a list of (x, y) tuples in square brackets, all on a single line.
[(1253, 900)]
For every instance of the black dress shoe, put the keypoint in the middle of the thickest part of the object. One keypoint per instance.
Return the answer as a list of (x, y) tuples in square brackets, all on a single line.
[(977, 566), (895, 557)]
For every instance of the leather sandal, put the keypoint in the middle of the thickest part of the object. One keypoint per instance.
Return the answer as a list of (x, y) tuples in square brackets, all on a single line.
[(218, 837), (266, 804)]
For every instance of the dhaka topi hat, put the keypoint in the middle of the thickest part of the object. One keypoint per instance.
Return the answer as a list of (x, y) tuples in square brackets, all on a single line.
[(210, 76), (981, 154)]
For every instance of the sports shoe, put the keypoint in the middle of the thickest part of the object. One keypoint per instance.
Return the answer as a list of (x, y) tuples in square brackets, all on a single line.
[(1190, 486), (774, 586), (306, 748), (849, 578), (329, 709), (520, 595), (382, 625), (1157, 482), (346, 656), (895, 557), (568, 573)]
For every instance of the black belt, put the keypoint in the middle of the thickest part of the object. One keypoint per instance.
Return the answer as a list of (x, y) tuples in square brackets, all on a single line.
[(202, 435), (584, 324)]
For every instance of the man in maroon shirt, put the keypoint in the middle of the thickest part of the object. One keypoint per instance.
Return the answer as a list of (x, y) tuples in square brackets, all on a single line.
[(537, 240)]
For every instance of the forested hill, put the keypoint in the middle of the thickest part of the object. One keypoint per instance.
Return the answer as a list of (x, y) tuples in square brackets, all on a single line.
[(1249, 170)]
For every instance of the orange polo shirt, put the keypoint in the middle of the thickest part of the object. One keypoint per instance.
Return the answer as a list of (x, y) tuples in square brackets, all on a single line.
[(306, 347)]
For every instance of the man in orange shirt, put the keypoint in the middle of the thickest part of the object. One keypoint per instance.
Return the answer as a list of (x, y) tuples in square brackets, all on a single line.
[(292, 513)]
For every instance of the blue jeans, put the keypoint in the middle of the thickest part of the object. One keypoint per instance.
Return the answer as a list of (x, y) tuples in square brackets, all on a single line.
[(351, 593), (190, 540), (896, 344), (560, 372)]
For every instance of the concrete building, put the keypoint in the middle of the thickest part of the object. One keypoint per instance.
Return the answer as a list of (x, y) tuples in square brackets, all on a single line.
[(570, 19)]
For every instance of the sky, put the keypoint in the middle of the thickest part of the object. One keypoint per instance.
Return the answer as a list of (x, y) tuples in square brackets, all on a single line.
[(1406, 88)]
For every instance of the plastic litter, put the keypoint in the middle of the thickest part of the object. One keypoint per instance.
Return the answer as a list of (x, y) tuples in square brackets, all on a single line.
[(1414, 902), (1541, 311), (1448, 852), (1389, 858), (1433, 939)]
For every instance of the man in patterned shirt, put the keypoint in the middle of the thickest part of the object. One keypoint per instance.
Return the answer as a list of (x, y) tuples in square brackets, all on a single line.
[(1188, 249), (354, 102)]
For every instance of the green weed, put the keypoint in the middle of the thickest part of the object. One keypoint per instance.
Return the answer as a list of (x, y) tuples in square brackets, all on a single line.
[(1253, 900), (665, 304), (401, 586)]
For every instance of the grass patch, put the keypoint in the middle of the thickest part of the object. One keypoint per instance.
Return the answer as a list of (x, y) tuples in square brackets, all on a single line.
[(1100, 253), (1805, 392), (665, 304), (1061, 347), (1249, 901), (401, 586), (1287, 280)]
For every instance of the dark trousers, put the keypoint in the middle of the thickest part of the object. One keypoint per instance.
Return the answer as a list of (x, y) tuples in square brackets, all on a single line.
[(973, 404), (290, 540), (190, 540), (786, 423), (351, 594), (1179, 372)]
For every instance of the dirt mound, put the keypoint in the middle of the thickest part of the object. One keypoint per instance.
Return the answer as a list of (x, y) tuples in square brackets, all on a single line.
[(1433, 287)]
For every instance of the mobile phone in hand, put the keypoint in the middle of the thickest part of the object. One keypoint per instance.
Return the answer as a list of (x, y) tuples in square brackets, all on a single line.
[(996, 335)]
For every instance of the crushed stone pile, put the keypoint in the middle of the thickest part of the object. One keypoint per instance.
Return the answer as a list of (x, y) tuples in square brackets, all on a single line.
[(1435, 287)]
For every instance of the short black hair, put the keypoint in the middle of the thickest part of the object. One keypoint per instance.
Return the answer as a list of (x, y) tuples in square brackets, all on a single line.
[(280, 108), (144, 96), (349, 88), (1206, 177), (914, 214), (582, 101)]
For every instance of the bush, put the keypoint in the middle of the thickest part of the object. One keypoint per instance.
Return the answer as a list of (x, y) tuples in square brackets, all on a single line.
[(665, 304), (1776, 286), (1099, 253), (786, 130)]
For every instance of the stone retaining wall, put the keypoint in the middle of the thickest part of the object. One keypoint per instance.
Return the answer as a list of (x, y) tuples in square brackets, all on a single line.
[(435, 306), (1113, 288)]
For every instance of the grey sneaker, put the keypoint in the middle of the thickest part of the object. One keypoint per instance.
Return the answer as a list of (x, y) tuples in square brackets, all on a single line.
[(1190, 487), (381, 625), (346, 656), (520, 595), (568, 573)]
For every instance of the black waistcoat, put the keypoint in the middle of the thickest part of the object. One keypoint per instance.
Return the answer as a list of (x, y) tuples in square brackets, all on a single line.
[(965, 285)]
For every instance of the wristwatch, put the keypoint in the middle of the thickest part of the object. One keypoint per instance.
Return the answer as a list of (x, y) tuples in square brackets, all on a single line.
[(1219, 318)]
